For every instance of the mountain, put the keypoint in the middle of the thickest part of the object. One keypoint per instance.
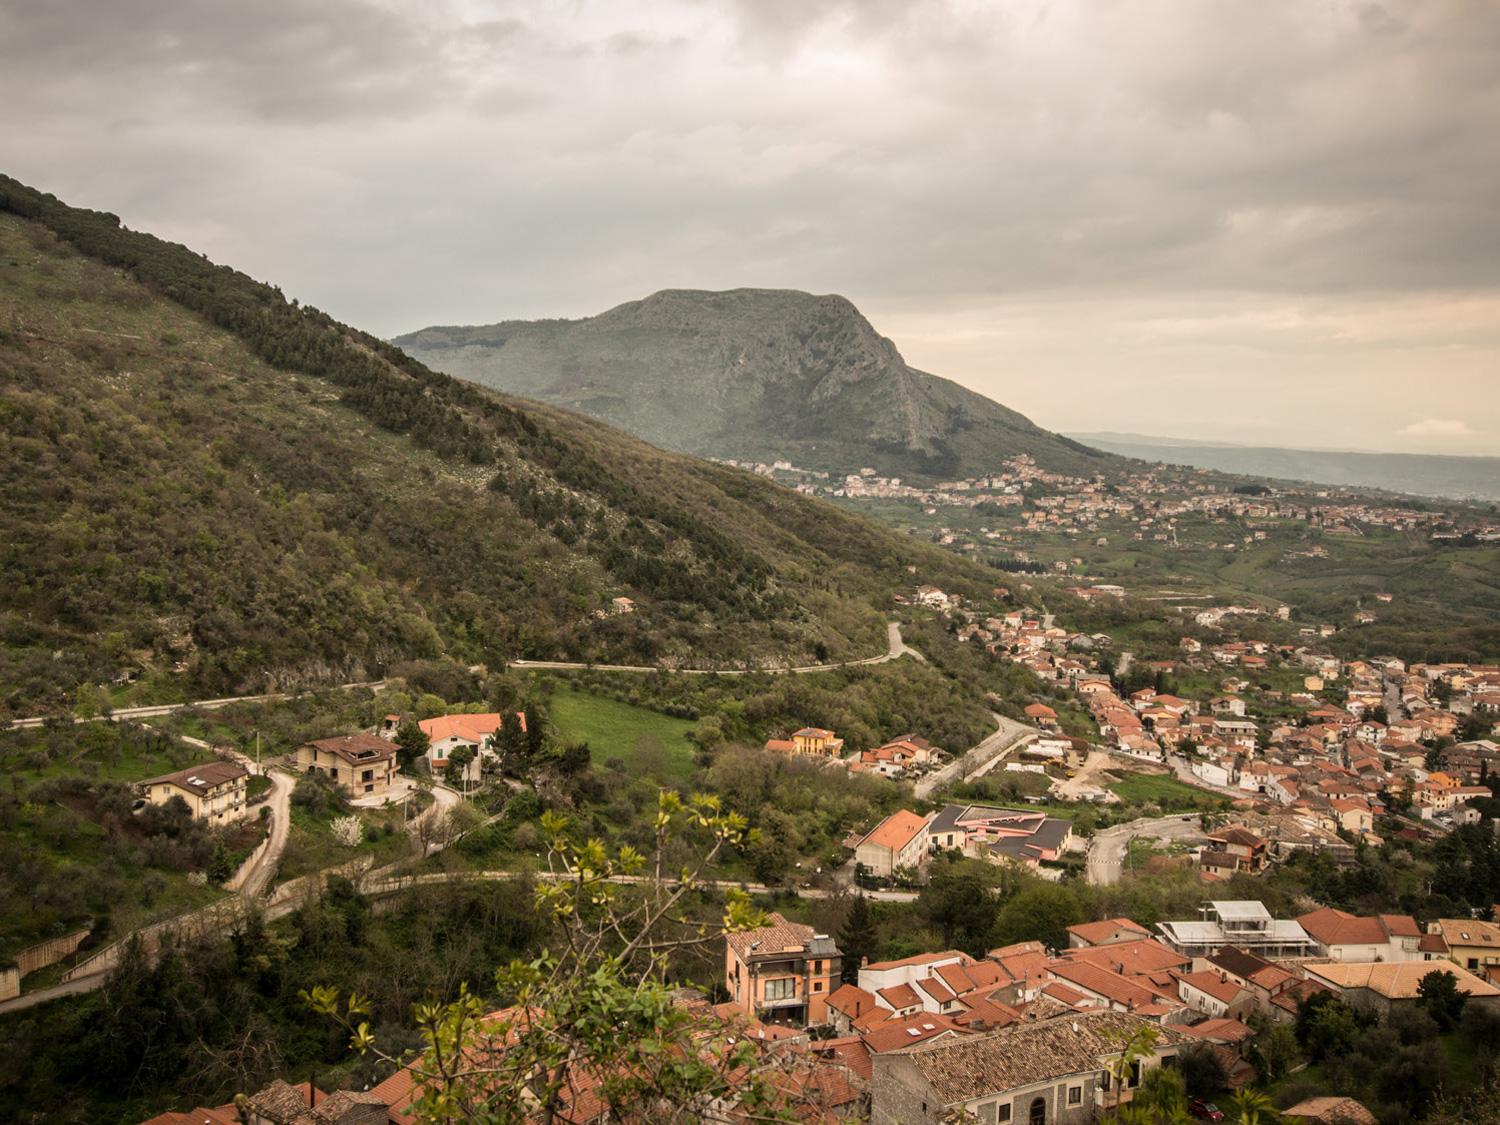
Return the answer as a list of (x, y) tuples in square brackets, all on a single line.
[(1458, 478), (220, 490), (757, 374)]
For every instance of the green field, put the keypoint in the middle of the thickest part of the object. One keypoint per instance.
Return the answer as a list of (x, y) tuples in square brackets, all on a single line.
[(649, 743), (1141, 789)]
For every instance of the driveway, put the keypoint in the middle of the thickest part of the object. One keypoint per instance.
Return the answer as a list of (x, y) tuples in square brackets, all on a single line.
[(253, 882)]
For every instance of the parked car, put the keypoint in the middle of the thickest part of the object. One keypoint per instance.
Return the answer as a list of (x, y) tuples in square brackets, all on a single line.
[(1205, 1111)]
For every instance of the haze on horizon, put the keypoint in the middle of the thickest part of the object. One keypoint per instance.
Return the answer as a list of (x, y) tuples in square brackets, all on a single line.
[(1269, 223)]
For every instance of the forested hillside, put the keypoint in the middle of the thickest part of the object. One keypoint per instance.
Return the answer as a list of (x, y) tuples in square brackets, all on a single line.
[(210, 488), (758, 374)]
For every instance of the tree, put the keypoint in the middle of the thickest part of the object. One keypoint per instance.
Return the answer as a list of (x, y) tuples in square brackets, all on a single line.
[(1202, 1072), (1438, 993), (1274, 1053), (1325, 1026), (1042, 912), (602, 1002), (960, 902), (1162, 1096), (221, 866), (1251, 1107), (856, 938), (458, 763), (411, 743)]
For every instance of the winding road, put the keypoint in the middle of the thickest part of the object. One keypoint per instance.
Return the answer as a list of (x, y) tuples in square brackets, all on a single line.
[(896, 647)]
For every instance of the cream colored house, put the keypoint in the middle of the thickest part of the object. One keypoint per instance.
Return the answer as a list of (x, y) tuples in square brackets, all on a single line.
[(214, 791), (361, 763)]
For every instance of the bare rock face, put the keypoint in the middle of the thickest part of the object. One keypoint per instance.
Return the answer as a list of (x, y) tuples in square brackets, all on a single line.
[(752, 373)]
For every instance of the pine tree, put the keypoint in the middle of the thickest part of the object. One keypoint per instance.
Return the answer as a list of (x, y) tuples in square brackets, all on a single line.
[(856, 938)]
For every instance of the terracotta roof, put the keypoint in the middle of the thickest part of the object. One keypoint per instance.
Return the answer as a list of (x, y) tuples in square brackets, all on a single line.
[(919, 959), (899, 996), (360, 749), (783, 745), (849, 1050), (1221, 1030), (776, 937), (1214, 986), (1237, 834), (896, 830), (200, 779), (896, 1035), (473, 728), (1468, 931), (202, 1115), (1025, 1054), (851, 1001), (1130, 958), (1065, 994), (1108, 930), (1330, 1111), (1335, 927), (1104, 982), (1396, 980)]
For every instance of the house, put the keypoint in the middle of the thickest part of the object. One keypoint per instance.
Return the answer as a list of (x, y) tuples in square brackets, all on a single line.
[(1213, 995), (1350, 937), (809, 740), (447, 733), (900, 840), (879, 976), (214, 791), (1248, 851), (1107, 932), (851, 1009), (1264, 981), (1379, 986), (781, 973), (1328, 1110), (896, 757), (1472, 943), (362, 763), (985, 832), (1042, 715), (1052, 1072)]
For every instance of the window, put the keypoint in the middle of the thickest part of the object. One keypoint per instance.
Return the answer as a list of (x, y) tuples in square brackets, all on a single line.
[(817, 986), (1038, 1111), (1075, 1095), (368, 775), (782, 988), (1004, 1114)]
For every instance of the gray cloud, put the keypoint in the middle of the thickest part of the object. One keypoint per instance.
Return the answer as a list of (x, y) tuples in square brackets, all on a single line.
[(1239, 171)]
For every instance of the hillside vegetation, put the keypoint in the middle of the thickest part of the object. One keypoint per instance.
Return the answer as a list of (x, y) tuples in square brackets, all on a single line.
[(211, 488), (755, 374)]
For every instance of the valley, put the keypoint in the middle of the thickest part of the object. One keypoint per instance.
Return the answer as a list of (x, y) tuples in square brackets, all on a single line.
[(325, 671)]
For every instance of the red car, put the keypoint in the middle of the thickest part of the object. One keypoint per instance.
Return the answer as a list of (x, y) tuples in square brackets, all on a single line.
[(1205, 1111)]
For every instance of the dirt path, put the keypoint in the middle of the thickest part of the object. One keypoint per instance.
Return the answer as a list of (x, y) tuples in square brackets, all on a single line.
[(1088, 784)]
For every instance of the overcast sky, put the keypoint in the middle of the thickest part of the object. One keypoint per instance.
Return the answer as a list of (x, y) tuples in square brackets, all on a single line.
[(1254, 220)]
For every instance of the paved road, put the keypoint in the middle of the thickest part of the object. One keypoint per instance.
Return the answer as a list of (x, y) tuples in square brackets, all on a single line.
[(259, 877), (159, 709), (1008, 735), (896, 647), (1107, 850)]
